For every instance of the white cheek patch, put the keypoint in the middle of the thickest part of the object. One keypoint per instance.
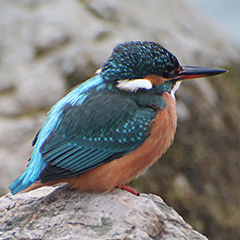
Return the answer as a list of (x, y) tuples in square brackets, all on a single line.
[(134, 85), (175, 88)]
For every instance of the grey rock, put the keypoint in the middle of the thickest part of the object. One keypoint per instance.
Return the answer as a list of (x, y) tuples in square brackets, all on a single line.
[(61, 213)]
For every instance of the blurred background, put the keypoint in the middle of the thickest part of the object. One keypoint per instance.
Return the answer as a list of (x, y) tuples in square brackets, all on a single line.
[(47, 47), (224, 13)]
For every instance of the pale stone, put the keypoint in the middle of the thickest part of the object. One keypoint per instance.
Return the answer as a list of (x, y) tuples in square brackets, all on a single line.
[(61, 213)]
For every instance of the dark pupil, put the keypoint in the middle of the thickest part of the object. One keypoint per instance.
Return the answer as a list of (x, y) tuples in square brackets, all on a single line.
[(165, 74)]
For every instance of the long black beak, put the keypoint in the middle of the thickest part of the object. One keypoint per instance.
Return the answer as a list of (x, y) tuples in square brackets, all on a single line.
[(190, 72)]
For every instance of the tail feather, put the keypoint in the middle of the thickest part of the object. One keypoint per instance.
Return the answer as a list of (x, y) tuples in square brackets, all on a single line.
[(19, 184), (30, 176)]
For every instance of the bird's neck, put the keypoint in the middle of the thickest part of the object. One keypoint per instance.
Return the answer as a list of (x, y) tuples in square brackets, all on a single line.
[(142, 98)]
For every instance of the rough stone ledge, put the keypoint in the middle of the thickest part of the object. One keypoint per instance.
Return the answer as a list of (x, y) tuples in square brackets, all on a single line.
[(61, 213)]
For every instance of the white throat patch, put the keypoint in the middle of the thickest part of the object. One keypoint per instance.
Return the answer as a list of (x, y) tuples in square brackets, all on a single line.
[(134, 85), (175, 88)]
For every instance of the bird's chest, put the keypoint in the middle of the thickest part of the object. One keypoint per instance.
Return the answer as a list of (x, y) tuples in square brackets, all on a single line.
[(162, 131)]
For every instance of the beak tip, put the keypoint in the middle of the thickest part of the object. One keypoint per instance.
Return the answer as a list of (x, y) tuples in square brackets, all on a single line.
[(221, 70)]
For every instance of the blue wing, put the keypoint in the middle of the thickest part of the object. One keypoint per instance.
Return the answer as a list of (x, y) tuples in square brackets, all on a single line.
[(35, 166), (103, 128)]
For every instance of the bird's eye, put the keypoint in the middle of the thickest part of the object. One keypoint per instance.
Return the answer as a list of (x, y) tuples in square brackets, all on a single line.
[(169, 73), (165, 74)]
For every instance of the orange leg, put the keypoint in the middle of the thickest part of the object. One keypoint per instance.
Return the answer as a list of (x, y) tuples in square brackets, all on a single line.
[(129, 189)]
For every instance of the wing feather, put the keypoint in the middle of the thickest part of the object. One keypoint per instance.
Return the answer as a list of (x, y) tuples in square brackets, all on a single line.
[(94, 133)]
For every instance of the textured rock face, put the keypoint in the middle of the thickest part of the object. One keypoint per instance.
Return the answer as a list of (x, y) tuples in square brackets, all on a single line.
[(67, 214), (46, 47)]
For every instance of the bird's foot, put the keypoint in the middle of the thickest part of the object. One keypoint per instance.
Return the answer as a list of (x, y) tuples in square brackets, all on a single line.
[(129, 189)]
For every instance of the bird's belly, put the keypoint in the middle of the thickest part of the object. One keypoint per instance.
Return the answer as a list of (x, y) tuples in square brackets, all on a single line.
[(124, 169)]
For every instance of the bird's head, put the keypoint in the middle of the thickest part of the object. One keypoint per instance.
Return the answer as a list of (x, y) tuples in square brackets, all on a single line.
[(147, 65)]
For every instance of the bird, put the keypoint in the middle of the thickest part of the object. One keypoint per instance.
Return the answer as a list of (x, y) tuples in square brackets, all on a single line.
[(111, 128)]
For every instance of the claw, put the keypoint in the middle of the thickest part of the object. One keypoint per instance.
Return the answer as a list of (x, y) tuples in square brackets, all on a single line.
[(129, 189)]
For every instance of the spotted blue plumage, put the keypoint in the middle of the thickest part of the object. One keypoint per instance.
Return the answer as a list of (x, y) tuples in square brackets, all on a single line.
[(135, 60)]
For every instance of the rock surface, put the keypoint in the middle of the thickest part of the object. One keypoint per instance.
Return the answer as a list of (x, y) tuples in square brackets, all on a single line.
[(66, 214)]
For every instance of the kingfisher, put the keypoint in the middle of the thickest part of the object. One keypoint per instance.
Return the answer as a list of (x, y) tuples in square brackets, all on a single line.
[(112, 127)]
